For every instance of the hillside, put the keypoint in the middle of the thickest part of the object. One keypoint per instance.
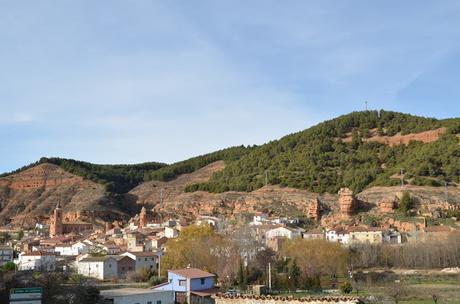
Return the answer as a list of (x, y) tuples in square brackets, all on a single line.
[(357, 150), (277, 200), (31, 195), (360, 150)]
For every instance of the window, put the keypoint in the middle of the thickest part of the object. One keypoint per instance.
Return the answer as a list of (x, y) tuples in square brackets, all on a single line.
[(146, 259), (110, 265), (202, 281), (181, 282), (149, 302), (158, 302)]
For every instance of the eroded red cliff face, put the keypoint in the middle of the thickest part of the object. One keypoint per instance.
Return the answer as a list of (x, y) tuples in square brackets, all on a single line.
[(29, 196)]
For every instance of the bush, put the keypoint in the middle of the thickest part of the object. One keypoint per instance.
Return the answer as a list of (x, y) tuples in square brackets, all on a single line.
[(8, 266), (133, 276), (145, 274), (155, 280), (346, 287), (406, 202)]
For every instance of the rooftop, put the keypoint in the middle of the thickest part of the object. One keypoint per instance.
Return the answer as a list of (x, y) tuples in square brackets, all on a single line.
[(128, 291), (192, 273)]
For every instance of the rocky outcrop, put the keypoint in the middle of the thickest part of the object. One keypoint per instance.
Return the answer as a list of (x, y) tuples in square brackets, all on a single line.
[(314, 209), (40, 176), (388, 205), (399, 139), (30, 196), (346, 202)]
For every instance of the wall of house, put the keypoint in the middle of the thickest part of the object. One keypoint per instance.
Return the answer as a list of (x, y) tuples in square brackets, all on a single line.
[(195, 284), (91, 269), (110, 269), (6, 255), (372, 237), (164, 297), (66, 250), (146, 262), (124, 266), (42, 262), (280, 232)]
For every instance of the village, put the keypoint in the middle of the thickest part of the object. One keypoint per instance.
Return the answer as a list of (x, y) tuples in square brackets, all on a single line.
[(127, 252)]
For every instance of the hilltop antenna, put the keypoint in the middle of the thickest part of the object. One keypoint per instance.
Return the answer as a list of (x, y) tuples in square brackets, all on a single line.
[(365, 102)]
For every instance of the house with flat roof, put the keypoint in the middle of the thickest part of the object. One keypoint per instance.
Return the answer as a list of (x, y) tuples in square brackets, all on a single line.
[(137, 295)]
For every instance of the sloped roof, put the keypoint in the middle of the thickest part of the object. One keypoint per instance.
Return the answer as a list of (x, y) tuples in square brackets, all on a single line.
[(192, 273)]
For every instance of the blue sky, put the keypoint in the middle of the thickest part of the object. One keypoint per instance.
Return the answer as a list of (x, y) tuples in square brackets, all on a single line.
[(134, 81)]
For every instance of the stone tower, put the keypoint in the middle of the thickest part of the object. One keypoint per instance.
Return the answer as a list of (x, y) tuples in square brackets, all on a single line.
[(347, 202), (314, 209), (143, 218), (56, 222)]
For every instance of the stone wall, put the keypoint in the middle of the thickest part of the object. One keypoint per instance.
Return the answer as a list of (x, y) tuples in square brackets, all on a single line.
[(284, 300)]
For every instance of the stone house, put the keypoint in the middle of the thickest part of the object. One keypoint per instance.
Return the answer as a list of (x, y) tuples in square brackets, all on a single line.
[(370, 235)]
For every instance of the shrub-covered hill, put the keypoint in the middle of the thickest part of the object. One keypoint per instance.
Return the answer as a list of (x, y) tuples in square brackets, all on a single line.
[(122, 178), (320, 160)]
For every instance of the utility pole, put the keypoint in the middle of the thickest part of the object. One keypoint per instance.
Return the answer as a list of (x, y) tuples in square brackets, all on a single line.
[(269, 277), (159, 265), (266, 178), (161, 196), (402, 177), (366, 105), (445, 190)]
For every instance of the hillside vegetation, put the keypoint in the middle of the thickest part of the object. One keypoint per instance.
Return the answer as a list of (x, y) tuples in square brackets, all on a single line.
[(122, 178), (319, 160)]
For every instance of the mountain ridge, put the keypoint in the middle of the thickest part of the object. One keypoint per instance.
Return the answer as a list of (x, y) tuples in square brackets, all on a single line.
[(338, 152)]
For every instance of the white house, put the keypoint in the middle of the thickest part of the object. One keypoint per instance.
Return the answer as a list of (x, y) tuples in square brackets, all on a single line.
[(147, 260), (171, 232), (102, 268), (64, 249), (6, 255), (287, 232), (138, 295), (36, 260), (80, 248), (259, 218), (208, 220), (338, 235)]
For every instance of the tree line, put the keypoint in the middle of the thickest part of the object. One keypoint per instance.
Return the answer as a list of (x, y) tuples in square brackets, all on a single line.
[(319, 160)]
